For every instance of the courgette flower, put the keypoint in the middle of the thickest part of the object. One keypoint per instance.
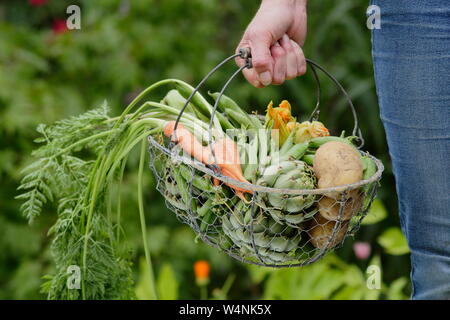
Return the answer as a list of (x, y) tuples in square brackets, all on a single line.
[(278, 118), (308, 130)]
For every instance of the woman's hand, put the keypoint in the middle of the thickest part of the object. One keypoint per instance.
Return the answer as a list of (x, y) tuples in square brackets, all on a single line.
[(275, 36)]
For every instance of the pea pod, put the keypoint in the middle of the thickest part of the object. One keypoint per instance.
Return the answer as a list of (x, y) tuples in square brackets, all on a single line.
[(224, 122), (308, 158), (201, 183), (369, 166), (263, 147), (205, 208), (288, 143), (319, 141), (239, 120), (199, 102), (174, 99), (369, 169), (207, 220), (182, 185), (226, 104), (295, 153), (252, 166), (242, 148), (176, 203)]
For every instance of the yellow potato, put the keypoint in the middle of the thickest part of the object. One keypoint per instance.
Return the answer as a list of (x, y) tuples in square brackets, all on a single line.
[(329, 207), (321, 230), (336, 164)]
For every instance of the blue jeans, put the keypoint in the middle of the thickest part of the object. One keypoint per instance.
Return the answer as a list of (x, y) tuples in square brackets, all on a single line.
[(411, 54)]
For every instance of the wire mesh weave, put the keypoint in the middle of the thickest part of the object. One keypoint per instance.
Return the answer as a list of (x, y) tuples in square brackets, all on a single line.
[(260, 230), (271, 226)]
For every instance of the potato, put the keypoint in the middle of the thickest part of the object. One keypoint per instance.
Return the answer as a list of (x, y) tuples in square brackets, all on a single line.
[(329, 207), (336, 164), (321, 230)]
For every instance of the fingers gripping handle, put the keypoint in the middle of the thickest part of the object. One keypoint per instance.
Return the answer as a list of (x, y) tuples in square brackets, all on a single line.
[(246, 54)]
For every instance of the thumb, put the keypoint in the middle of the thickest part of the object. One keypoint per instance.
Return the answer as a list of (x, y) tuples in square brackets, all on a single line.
[(261, 58)]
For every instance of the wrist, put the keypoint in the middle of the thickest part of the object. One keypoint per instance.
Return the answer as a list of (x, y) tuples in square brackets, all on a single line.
[(293, 3)]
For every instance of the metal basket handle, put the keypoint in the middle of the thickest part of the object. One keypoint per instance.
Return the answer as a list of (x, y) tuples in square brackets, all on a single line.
[(245, 53)]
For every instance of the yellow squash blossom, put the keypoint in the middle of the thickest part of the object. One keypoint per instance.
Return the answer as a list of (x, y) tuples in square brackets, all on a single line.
[(308, 130), (283, 123), (280, 117)]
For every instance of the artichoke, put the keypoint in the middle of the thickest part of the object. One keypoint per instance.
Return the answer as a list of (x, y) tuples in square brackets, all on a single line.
[(261, 237), (285, 208)]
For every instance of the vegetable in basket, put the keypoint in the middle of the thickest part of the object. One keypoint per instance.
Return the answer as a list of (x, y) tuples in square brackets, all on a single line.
[(281, 119), (292, 174), (336, 164), (225, 155), (256, 234), (321, 231)]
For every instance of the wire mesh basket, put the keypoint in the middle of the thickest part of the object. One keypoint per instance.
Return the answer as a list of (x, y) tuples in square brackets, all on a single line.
[(268, 226)]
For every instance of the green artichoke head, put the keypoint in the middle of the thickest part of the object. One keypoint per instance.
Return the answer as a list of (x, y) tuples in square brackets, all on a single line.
[(290, 174)]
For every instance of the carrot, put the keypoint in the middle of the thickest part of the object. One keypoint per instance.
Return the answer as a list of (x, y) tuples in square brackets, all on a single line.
[(225, 151), (187, 141), (227, 157)]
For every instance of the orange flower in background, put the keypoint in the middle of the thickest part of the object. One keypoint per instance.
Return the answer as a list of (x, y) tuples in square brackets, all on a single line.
[(201, 271)]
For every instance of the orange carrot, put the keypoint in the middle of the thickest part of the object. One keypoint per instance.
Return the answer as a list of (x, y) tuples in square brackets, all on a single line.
[(227, 157), (188, 142), (225, 151)]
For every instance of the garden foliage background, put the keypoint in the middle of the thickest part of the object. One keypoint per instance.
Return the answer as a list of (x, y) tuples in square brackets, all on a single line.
[(49, 73)]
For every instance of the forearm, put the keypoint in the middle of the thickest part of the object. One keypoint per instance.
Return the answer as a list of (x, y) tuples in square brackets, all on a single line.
[(288, 2)]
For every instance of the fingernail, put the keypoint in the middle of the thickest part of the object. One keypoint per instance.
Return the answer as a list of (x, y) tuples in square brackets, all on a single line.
[(265, 78)]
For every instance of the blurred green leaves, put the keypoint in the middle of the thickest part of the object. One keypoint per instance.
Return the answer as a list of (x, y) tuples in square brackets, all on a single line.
[(393, 241), (142, 289), (376, 213), (330, 279), (167, 284)]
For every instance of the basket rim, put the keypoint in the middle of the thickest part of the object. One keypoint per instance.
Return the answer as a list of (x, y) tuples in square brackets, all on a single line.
[(248, 186)]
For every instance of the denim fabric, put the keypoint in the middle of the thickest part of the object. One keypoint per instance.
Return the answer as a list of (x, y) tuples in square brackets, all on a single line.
[(411, 54)]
